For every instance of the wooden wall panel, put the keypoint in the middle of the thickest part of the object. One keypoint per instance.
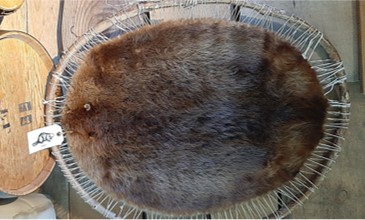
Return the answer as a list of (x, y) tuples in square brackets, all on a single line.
[(361, 19), (42, 23)]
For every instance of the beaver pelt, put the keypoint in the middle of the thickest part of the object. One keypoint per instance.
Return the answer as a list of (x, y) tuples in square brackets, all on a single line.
[(193, 116)]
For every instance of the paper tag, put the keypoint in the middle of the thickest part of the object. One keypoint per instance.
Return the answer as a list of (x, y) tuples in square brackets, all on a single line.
[(44, 138)]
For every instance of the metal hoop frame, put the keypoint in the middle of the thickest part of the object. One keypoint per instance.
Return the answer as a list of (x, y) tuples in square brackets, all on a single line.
[(330, 71)]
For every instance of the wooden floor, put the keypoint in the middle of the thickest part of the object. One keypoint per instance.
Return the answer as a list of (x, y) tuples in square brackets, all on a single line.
[(341, 195)]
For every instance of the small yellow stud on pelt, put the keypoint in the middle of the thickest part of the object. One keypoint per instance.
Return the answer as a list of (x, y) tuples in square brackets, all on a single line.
[(193, 116)]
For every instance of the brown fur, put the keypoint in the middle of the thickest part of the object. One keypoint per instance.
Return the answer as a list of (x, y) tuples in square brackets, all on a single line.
[(193, 115)]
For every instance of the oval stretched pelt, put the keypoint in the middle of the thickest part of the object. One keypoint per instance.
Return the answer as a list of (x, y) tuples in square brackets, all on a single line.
[(191, 116)]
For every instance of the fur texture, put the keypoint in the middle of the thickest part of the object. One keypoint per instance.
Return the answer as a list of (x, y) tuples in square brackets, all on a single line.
[(193, 115)]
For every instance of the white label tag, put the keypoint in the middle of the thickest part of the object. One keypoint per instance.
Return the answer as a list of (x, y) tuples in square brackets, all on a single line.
[(44, 138)]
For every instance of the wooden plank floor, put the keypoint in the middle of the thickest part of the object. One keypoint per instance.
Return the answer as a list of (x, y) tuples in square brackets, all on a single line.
[(341, 195)]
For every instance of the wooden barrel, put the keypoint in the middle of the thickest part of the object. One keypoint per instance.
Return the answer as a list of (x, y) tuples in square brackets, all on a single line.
[(9, 6), (24, 68)]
